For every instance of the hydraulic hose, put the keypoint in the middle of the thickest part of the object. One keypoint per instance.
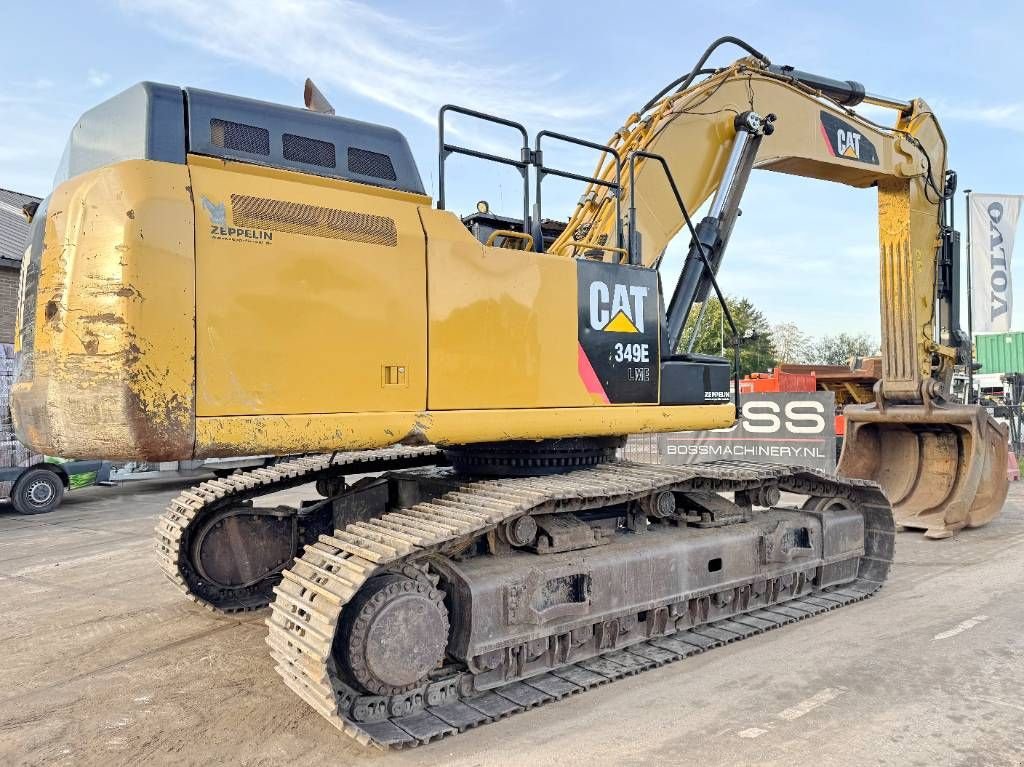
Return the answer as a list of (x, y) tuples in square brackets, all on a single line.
[(684, 82)]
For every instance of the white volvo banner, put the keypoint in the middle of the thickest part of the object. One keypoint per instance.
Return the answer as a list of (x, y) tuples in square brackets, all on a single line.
[(993, 226)]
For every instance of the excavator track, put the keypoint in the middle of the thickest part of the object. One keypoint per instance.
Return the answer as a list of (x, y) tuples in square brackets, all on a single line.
[(197, 503), (311, 599)]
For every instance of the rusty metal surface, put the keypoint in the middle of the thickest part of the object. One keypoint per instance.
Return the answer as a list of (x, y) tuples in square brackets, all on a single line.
[(943, 467), (309, 616), (311, 600), (850, 385), (189, 513)]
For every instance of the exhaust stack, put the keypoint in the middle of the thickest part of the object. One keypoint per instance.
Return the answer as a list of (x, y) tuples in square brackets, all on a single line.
[(314, 100)]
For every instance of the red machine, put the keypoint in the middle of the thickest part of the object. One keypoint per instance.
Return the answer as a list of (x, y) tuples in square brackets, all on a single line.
[(851, 385)]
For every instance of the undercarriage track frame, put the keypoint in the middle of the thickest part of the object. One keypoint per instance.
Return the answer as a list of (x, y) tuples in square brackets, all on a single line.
[(175, 526), (310, 599)]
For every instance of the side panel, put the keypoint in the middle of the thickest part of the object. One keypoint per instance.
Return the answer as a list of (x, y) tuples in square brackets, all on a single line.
[(106, 333), (503, 324), (311, 295), (618, 331)]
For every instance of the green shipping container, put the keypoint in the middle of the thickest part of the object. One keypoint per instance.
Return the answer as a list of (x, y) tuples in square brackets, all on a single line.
[(1000, 352)]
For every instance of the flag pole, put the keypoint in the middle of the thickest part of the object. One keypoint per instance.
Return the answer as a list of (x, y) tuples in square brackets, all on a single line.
[(970, 302)]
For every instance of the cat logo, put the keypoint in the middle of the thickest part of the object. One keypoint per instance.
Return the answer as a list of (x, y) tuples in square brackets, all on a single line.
[(848, 143), (617, 308), (843, 140)]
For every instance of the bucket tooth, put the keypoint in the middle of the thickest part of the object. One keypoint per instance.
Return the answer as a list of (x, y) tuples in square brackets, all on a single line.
[(943, 468)]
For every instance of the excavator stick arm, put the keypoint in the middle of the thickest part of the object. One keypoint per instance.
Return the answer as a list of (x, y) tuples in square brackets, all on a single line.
[(942, 465)]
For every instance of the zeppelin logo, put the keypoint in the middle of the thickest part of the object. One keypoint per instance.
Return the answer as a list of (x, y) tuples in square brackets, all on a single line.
[(233, 233), (998, 279), (617, 308), (221, 231), (843, 140)]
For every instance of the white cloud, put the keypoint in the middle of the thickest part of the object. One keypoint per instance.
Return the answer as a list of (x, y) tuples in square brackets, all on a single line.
[(34, 124), (350, 46), (98, 79), (1006, 115)]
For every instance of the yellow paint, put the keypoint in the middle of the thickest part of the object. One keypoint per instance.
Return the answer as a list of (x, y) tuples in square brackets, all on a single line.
[(109, 372), (304, 323), (217, 437), (620, 323), (457, 427), (503, 323)]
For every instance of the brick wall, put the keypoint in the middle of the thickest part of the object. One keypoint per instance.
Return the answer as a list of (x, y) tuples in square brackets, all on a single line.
[(8, 303)]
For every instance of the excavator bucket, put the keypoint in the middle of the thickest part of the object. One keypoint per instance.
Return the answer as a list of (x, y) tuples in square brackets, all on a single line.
[(943, 468)]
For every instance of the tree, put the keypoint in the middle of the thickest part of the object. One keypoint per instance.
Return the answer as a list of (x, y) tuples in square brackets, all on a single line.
[(792, 345), (837, 350), (757, 351)]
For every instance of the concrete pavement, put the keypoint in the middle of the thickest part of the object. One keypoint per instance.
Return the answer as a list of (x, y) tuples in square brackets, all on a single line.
[(103, 662)]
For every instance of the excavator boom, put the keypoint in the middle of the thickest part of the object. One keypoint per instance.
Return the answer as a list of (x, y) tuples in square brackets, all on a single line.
[(942, 464)]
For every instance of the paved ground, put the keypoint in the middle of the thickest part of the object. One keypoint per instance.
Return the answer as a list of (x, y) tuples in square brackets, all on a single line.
[(101, 662)]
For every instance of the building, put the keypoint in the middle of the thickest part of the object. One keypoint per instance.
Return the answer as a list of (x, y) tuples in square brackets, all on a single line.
[(13, 237)]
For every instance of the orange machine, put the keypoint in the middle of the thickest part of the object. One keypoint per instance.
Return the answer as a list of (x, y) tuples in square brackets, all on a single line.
[(851, 384)]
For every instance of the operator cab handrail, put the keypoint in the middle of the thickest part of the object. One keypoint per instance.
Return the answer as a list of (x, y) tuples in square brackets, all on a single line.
[(445, 149), (542, 170), (531, 225)]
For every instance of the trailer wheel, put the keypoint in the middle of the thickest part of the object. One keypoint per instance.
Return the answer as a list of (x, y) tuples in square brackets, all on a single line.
[(37, 491)]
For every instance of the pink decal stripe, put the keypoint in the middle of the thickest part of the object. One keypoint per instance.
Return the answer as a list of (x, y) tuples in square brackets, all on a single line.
[(824, 135), (589, 377)]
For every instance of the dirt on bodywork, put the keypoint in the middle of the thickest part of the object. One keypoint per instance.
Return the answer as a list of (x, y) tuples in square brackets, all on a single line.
[(943, 467)]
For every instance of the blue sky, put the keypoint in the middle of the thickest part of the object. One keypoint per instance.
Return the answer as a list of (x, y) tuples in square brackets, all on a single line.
[(804, 251)]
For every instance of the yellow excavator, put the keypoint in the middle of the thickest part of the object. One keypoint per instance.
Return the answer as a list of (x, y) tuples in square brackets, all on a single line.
[(215, 276)]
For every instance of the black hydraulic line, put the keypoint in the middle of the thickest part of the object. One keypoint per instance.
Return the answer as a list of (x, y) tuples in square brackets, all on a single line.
[(970, 300), (714, 231), (686, 80), (846, 92), (948, 274)]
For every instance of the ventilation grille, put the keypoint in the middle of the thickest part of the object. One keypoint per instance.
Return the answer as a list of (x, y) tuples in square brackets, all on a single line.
[(367, 163), (277, 215), (240, 137), (309, 150)]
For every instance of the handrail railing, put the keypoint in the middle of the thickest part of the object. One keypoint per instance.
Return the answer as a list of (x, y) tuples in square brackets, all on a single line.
[(543, 170), (700, 247), (631, 251), (587, 245), (522, 164), (528, 157), (508, 234)]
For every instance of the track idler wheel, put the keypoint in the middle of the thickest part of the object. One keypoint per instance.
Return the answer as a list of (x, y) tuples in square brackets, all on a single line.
[(943, 467), (395, 633), (234, 558)]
